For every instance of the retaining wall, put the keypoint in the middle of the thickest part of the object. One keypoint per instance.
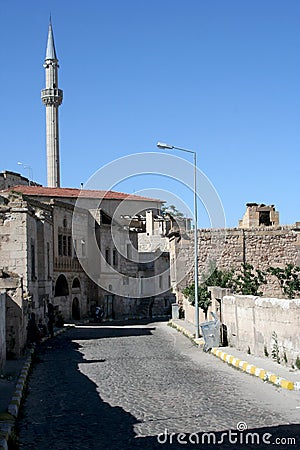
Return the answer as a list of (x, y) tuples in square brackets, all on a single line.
[(252, 321)]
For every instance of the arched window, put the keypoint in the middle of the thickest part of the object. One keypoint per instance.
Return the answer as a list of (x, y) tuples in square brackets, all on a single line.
[(61, 286), (76, 284)]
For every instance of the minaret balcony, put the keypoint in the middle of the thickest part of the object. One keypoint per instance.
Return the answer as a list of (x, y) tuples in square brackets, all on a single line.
[(52, 96)]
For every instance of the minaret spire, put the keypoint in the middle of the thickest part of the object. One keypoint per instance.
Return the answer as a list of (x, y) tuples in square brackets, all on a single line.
[(50, 51), (52, 99)]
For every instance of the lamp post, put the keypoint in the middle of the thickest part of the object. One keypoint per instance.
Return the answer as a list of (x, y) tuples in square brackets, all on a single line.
[(165, 146), (30, 173)]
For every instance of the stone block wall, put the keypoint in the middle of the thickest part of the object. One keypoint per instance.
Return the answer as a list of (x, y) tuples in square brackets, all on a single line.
[(16, 322), (251, 322), (2, 330), (229, 248)]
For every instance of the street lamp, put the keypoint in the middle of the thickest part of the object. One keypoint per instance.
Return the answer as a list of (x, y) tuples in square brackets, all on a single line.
[(30, 173), (165, 146)]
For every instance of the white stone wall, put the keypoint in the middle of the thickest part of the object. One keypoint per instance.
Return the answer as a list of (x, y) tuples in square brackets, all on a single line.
[(189, 312), (251, 321)]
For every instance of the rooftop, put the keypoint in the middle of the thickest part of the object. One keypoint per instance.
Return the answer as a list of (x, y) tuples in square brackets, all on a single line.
[(41, 191)]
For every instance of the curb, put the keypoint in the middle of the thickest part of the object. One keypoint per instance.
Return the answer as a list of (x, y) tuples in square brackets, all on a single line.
[(186, 333), (242, 365), (7, 420), (256, 371)]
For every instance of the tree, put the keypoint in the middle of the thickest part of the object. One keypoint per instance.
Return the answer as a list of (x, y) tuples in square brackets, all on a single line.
[(248, 280), (288, 278), (173, 211), (221, 278), (204, 297)]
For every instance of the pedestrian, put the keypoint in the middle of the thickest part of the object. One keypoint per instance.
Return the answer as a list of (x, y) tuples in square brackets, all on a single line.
[(42, 328), (51, 319), (99, 313), (33, 332)]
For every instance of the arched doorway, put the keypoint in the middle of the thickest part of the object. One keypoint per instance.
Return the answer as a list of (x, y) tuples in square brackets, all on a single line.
[(61, 286), (75, 309)]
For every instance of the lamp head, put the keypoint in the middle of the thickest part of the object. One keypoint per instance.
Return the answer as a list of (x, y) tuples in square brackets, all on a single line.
[(164, 146)]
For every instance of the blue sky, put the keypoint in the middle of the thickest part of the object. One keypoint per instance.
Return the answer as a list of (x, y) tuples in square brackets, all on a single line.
[(218, 76)]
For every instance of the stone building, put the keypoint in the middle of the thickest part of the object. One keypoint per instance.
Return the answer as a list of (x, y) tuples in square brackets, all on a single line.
[(259, 215), (9, 179), (45, 258), (26, 262)]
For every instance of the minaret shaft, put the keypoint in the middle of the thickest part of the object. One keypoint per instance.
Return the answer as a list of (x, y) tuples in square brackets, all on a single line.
[(52, 99), (52, 142)]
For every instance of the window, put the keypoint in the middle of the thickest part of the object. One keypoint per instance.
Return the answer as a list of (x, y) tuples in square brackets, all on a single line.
[(264, 218), (160, 281), (64, 240), (48, 260), (129, 251), (69, 246), (115, 257), (60, 251), (75, 248), (107, 256), (33, 277), (64, 245)]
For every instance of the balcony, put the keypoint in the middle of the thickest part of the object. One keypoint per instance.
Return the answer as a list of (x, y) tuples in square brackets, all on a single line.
[(67, 264), (52, 96)]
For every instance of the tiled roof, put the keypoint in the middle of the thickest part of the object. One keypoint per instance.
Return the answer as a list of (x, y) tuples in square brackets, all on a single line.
[(41, 191)]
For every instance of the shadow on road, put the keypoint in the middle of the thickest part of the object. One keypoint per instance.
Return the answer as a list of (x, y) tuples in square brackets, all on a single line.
[(63, 410), (86, 332)]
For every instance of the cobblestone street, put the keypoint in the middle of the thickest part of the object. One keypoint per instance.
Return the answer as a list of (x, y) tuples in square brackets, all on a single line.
[(120, 386)]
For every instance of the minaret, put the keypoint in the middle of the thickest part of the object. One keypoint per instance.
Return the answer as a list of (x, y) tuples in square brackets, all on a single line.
[(52, 98)]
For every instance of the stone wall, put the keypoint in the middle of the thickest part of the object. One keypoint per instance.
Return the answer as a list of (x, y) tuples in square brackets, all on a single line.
[(189, 312), (229, 248), (2, 330), (152, 243), (251, 322)]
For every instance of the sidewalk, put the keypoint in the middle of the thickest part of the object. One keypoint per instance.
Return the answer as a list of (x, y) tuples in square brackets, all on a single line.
[(12, 382), (262, 367)]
